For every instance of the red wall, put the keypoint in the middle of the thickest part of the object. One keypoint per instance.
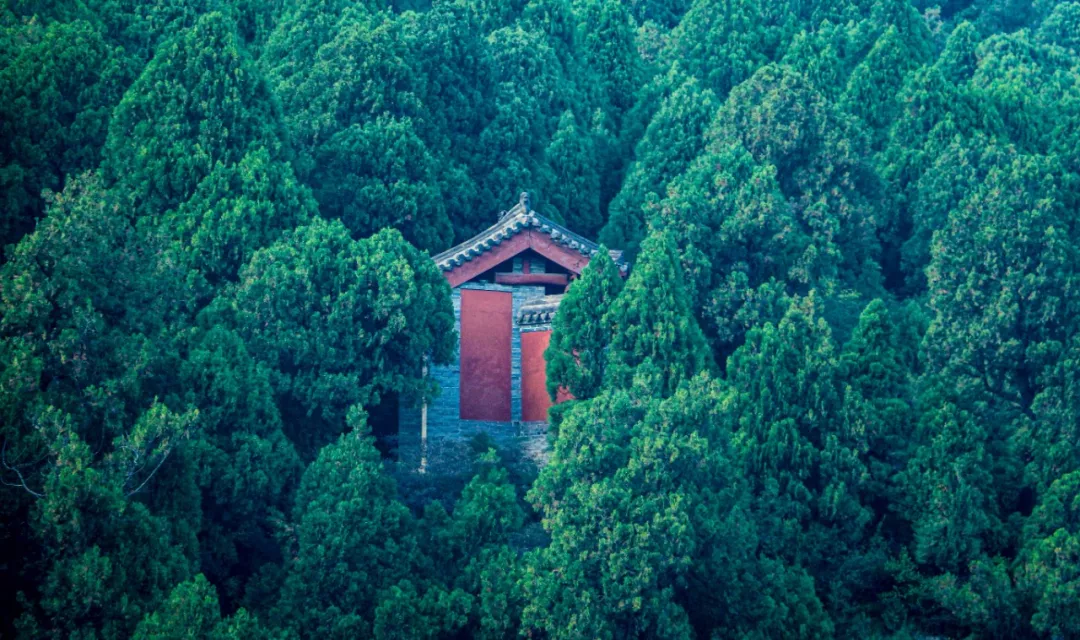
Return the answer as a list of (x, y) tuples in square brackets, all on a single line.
[(486, 324), (534, 396)]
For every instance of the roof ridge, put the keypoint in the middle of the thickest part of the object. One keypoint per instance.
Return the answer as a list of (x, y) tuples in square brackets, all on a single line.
[(517, 219)]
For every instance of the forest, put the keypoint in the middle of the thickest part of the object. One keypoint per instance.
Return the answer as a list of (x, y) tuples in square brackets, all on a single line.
[(838, 395)]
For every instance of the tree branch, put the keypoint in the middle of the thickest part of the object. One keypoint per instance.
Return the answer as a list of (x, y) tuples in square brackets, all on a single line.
[(143, 483), (22, 480)]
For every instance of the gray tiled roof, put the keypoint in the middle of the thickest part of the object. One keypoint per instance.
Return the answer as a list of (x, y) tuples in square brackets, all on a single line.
[(518, 219), (539, 310)]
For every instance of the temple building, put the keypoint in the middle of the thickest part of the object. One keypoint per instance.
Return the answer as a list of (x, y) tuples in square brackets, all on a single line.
[(507, 283)]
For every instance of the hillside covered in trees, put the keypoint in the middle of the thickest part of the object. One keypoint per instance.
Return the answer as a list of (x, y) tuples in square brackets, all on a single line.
[(837, 396)]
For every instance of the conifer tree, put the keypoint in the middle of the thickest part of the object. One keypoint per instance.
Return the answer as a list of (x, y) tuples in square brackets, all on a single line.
[(1049, 562), (803, 469), (574, 192), (654, 333), (1001, 267), (203, 90), (951, 492), (192, 611), (340, 322), (607, 45), (248, 469), (380, 175), (353, 539), (670, 143), (578, 352), (735, 232), (724, 43), (597, 592), (58, 86), (821, 168), (877, 404), (872, 87), (237, 209)]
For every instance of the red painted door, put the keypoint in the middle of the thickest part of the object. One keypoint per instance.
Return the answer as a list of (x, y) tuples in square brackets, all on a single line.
[(534, 395), (486, 324)]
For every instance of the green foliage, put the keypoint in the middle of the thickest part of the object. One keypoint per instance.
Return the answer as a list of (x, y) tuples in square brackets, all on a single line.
[(670, 143), (192, 611), (381, 175), (1048, 572), (58, 87), (872, 88), (819, 156), (220, 210), (578, 352), (724, 43), (203, 90), (353, 539), (340, 322), (655, 339), (1001, 266), (878, 404), (735, 233), (574, 193), (237, 209)]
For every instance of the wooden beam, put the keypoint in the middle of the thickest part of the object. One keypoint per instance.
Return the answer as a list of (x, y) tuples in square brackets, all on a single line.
[(531, 278)]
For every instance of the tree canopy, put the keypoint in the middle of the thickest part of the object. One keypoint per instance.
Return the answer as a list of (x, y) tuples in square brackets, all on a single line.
[(830, 389)]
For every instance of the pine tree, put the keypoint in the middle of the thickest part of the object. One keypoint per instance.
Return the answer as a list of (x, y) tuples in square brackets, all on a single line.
[(951, 492), (724, 43), (1001, 267), (607, 45), (237, 209), (248, 469), (873, 85)]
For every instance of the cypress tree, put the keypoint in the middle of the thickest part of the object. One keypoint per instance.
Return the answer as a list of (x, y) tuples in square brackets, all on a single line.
[(735, 232), (877, 403), (381, 174), (578, 352), (670, 143), (340, 322), (803, 469), (353, 539), (654, 333), (574, 192), (199, 103)]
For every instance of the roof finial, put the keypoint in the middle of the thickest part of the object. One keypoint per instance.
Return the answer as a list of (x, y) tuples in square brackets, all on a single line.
[(525, 200)]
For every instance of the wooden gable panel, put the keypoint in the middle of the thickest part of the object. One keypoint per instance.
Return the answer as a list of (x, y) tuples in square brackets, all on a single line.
[(570, 259)]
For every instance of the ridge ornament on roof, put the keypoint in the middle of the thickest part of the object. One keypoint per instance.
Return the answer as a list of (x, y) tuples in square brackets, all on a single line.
[(542, 232)]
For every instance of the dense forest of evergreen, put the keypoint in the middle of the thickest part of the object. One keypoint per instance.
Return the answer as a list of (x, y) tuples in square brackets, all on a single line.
[(837, 396)]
